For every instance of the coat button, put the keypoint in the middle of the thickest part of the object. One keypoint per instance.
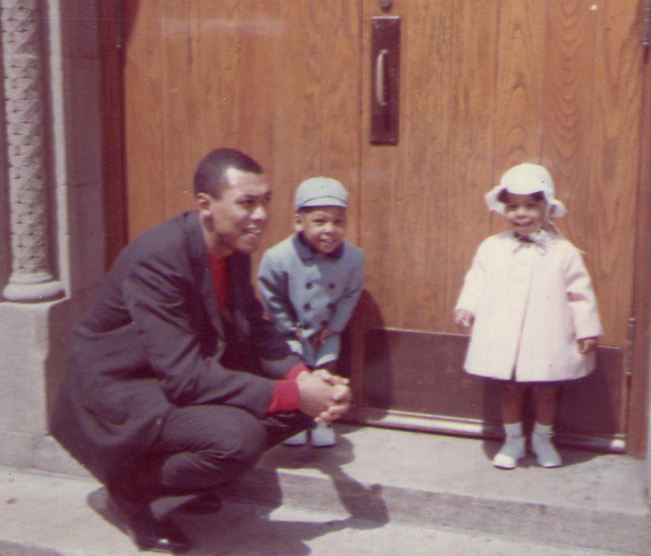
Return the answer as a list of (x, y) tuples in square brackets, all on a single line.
[(308, 285), (307, 307), (331, 285), (331, 305)]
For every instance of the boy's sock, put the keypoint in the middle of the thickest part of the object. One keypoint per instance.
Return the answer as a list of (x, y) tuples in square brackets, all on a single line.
[(542, 446), (513, 448), (323, 435), (297, 440)]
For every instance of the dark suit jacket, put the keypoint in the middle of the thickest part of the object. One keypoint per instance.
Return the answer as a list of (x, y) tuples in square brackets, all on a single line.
[(153, 338)]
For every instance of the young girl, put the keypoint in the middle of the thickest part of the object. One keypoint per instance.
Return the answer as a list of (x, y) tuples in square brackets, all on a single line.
[(530, 301)]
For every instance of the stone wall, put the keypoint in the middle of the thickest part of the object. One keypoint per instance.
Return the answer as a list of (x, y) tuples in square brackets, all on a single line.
[(51, 228)]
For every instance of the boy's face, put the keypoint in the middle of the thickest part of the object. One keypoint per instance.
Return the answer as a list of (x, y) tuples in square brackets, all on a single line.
[(322, 227), (525, 213)]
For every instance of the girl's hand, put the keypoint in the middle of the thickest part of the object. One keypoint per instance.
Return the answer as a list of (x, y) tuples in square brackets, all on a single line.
[(586, 345), (463, 318)]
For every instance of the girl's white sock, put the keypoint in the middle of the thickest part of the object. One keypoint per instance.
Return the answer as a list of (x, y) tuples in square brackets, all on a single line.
[(542, 429), (543, 447), (513, 429), (513, 448)]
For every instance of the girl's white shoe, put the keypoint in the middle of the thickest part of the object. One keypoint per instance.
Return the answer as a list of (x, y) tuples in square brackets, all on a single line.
[(512, 450), (544, 450)]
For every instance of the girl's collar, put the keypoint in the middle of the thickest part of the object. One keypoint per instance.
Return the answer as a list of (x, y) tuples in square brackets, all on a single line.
[(540, 239)]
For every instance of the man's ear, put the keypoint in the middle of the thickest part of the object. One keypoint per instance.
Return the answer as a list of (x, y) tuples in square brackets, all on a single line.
[(298, 222), (202, 201)]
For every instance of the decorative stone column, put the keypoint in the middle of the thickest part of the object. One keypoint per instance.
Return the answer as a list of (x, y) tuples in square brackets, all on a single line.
[(25, 90)]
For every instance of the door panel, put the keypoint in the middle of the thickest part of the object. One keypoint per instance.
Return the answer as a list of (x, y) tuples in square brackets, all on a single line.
[(483, 85), (275, 79)]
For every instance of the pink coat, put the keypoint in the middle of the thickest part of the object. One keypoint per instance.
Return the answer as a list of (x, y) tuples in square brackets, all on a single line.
[(531, 303)]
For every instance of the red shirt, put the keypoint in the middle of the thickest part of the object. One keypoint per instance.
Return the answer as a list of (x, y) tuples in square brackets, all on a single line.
[(285, 393)]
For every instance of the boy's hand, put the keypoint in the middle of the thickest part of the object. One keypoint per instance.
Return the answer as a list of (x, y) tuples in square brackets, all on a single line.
[(463, 318), (586, 345), (321, 336)]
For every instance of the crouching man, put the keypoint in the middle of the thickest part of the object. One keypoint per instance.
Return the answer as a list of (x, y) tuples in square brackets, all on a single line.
[(176, 383)]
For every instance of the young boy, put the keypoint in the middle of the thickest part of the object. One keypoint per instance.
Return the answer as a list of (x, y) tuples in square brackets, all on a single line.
[(310, 282)]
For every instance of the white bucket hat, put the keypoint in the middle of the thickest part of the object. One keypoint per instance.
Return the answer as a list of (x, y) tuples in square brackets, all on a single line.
[(525, 179)]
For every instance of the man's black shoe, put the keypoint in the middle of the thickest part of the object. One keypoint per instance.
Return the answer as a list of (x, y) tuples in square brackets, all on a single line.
[(161, 536), (147, 532)]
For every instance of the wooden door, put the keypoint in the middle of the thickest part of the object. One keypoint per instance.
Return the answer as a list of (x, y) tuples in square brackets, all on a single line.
[(482, 85), (485, 85), (276, 79)]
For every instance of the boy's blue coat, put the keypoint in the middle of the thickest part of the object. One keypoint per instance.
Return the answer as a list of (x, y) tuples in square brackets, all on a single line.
[(307, 291)]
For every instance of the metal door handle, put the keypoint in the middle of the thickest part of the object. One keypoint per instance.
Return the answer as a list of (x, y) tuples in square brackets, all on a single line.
[(380, 77), (384, 80)]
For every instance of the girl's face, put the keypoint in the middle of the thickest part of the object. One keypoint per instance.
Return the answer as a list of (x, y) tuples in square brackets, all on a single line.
[(525, 213), (322, 227)]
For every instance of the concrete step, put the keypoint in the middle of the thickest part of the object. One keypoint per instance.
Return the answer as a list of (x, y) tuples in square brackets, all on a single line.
[(379, 491), (595, 501), (50, 515)]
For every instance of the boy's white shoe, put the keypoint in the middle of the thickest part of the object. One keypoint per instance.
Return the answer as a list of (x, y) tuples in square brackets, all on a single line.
[(297, 440), (544, 450), (512, 450), (323, 435)]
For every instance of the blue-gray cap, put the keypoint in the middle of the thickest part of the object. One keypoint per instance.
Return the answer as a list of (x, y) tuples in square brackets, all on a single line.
[(320, 191)]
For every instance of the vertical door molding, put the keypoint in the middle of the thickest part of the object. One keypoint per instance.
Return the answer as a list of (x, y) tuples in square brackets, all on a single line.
[(639, 417), (113, 39)]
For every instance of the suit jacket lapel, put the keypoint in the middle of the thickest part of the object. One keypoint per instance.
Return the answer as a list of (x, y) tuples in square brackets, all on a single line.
[(202, 272), (235, 293)]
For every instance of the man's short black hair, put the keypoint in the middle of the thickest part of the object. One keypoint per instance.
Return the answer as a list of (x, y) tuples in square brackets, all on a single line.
[(209, 175)]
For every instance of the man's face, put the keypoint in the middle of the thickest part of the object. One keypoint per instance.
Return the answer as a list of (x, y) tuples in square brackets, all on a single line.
[(322, 227), (235, 221)]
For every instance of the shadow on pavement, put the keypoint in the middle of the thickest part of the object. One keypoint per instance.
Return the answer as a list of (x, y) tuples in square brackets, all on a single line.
[(246, 524)]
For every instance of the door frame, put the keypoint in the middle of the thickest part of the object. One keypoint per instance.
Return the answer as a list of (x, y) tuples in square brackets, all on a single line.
[(637, 366), (111, 37)]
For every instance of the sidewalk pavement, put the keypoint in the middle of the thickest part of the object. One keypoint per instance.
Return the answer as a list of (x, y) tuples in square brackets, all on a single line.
[(379, 491)]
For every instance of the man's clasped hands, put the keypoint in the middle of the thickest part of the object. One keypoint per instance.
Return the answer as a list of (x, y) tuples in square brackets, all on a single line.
[(323, 395)]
